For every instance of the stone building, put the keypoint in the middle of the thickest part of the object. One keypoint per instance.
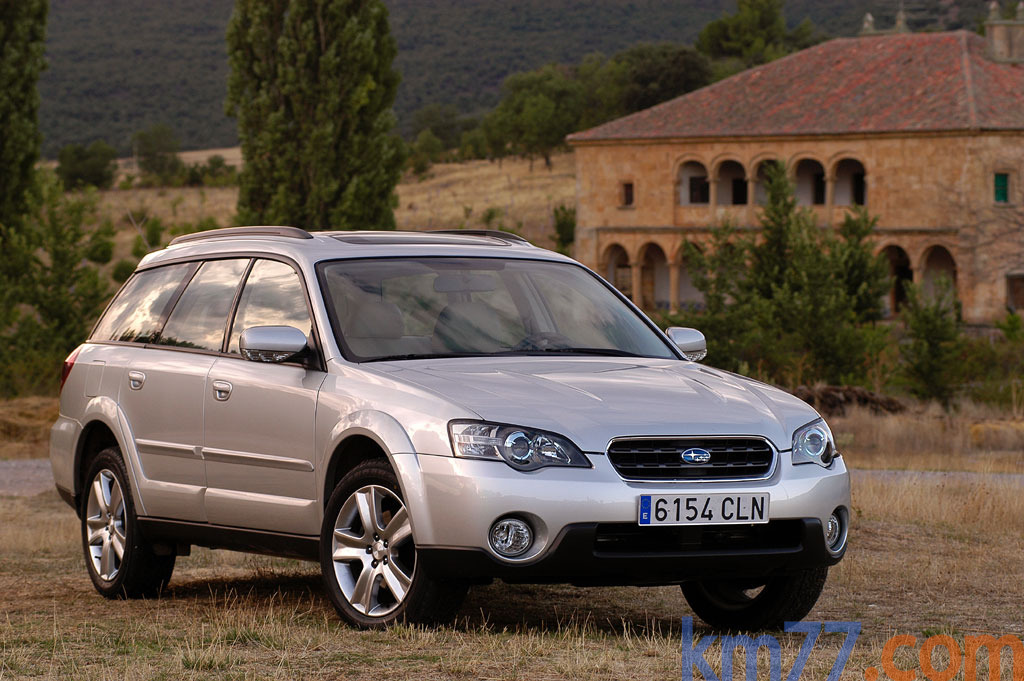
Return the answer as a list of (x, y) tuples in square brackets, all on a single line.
[(925, 130)]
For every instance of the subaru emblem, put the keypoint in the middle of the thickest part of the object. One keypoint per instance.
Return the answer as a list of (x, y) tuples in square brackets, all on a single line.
[(696, 455)]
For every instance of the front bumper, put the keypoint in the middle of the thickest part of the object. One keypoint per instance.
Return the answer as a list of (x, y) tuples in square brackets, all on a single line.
[(455, 501), (592, 554)]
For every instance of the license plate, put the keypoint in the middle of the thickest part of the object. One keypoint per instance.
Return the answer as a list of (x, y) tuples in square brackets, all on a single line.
[(703, 509)]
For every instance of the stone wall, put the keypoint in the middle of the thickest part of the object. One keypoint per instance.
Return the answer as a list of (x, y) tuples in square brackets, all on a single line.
[(930, 192)]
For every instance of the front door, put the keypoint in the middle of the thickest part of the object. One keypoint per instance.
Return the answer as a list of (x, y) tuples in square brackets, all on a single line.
[(259, 435)]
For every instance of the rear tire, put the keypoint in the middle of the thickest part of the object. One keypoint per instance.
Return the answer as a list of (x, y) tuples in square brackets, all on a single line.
[(119, 561), (732, 605), (368, 557)]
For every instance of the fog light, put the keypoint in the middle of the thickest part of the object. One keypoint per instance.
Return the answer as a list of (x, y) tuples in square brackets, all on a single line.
[(510, 537), (834, 532)]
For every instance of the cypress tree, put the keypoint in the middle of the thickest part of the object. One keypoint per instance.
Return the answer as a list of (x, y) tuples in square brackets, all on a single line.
[(22, 42), (312, 86)]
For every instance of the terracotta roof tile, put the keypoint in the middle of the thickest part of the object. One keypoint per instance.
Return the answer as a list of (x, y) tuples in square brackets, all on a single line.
[(871, 84)]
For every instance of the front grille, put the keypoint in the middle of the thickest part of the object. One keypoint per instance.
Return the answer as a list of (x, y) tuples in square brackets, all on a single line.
[(662, 459), (629, 538)]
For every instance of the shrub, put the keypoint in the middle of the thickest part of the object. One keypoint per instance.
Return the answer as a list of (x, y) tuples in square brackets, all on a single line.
[(934, 342), (122, 270), (80, 166)]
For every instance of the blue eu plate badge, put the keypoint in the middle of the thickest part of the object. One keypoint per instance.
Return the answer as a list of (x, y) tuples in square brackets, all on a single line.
[(645, 510)]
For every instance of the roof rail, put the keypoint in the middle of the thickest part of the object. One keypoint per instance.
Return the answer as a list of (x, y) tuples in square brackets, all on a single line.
[(287, 232), (494, 233)]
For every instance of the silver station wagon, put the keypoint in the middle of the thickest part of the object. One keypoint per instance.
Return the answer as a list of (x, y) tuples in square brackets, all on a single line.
[(420, 412)]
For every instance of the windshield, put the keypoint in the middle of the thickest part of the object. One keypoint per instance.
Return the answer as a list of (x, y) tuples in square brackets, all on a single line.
[(404, 308)]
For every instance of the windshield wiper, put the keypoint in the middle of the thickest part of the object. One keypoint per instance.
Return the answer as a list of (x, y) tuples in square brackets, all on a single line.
[(435, 355), (606, 352)]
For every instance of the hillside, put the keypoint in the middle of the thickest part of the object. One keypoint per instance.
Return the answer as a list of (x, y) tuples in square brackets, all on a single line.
[(120, 65)]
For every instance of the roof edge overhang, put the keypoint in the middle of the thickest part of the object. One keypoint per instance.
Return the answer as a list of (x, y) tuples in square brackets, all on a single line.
[(881, 134)]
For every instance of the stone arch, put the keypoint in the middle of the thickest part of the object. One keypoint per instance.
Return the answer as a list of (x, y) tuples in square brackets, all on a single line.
[(759, 170), (808, 175), (850, 182), (692, 183), (731, 178), (654, 277), (937, 263), (616, 268), (902, 275)]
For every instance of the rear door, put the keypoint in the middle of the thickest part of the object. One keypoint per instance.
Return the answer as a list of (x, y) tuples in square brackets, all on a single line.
[(259, 435), (153, 392)]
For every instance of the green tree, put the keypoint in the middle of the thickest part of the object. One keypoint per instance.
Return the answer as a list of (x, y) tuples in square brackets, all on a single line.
[(93, 166), (564, 218), (755, 34), (312, 86), (539, 108), (22, 43), (655, 73), (865, 275), (63, 293), (156, 152), (933, 343)]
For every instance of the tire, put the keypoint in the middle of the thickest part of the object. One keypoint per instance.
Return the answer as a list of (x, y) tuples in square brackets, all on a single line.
[(119, 561), (368, 559), (732, 605)]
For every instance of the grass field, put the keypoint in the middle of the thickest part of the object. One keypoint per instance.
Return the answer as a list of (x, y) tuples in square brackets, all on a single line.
[(928, 555), (450, 196)]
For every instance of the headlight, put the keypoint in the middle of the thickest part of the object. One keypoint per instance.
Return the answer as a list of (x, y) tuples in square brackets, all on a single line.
[(814, 444), (521, 448)]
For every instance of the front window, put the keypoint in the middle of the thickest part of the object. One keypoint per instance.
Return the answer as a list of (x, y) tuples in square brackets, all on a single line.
[(398, 308)]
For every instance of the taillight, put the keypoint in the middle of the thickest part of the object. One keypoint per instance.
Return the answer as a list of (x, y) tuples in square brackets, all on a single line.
[(68, 364)]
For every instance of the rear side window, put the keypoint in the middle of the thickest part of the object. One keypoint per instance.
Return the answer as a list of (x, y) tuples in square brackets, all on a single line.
[(273, 296), (136, 314), (201, 314)]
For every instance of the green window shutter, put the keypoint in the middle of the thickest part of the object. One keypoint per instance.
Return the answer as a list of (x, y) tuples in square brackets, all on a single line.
[(1002, 188)]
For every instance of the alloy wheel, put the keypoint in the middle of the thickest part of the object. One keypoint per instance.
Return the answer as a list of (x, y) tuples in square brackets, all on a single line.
[(105, 522), (373, 552)]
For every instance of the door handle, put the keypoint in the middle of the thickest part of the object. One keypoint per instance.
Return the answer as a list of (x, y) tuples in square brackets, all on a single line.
[(221, 390), (136, 379)]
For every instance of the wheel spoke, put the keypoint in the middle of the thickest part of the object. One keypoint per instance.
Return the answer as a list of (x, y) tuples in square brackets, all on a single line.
[(118, 545), (95, 527), (397, 581), (116, 500), (98, 493), (106, 560), (399, 529), (362, 593), (349, 554), (351, 541), (369, 510)]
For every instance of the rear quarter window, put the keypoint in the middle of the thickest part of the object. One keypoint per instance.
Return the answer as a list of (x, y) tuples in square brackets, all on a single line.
[(137, 312)]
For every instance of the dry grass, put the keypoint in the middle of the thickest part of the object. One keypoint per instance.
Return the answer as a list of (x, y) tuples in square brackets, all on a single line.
[(25, 426), (459, 194), (975, 438), (452, 195), (924, 558)]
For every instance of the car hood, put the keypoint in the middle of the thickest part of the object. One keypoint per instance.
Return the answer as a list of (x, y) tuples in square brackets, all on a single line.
[(592, 400)]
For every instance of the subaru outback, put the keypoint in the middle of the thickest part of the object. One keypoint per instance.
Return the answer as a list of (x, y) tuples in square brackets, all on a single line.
[(420, 412)]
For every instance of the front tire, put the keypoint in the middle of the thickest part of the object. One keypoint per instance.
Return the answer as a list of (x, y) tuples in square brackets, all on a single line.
[(119, 561), (368, 557), (732, 604)]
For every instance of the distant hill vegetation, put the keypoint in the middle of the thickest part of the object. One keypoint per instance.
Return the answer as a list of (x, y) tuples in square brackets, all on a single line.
[(118, 66)]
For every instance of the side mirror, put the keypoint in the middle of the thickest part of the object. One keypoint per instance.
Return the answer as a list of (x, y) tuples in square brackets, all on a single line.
[(690, 341), (271, 343)]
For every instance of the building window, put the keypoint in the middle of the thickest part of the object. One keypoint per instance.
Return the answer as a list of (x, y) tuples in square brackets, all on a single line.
[(859, 190), (819, 189), (700, 190), (1002, 184), (626, 195), (739, 191), (1015, 292)]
